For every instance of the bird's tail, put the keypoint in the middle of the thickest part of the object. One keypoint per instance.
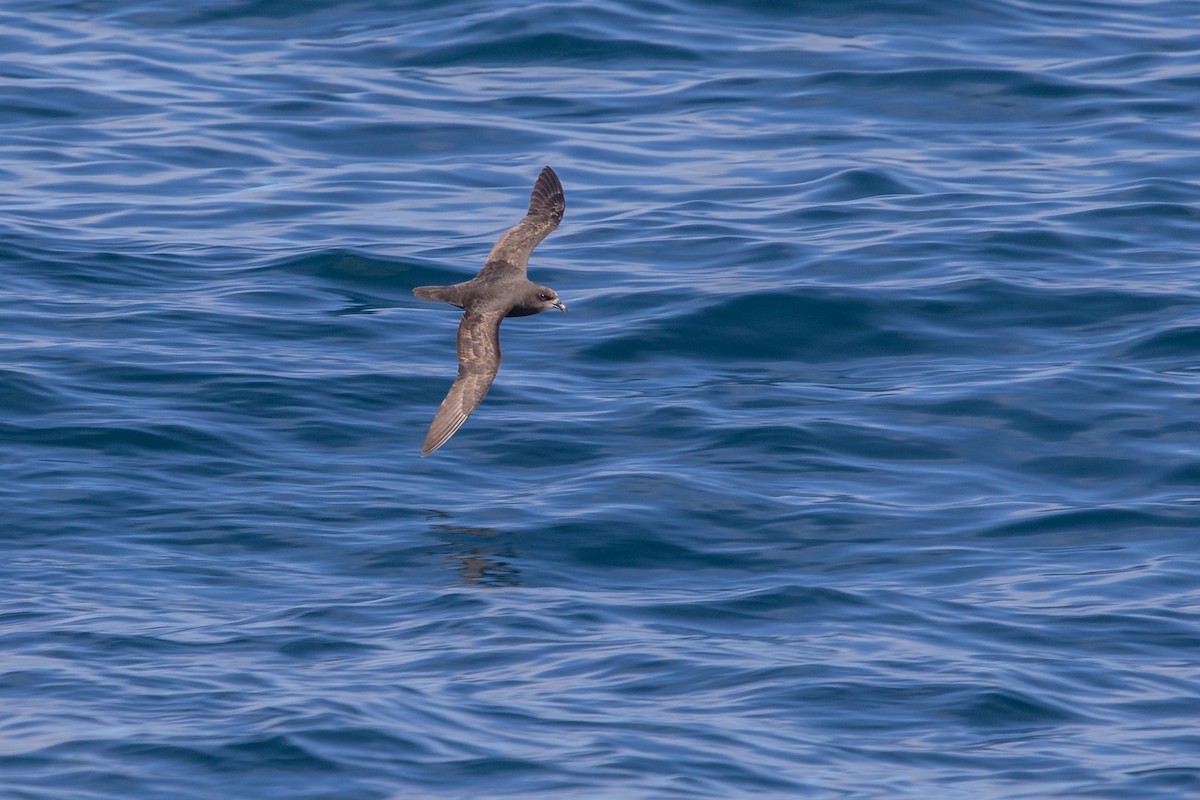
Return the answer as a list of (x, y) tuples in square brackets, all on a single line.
[(441, 294)]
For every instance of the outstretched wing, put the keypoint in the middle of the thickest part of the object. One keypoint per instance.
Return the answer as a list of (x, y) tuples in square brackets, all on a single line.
[(478, 363), (546, 206)]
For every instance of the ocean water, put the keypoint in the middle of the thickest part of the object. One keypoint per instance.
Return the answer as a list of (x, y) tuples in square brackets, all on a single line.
[(866, 463)]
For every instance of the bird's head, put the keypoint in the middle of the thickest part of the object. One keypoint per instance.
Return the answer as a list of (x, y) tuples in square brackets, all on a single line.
[(546, 299)]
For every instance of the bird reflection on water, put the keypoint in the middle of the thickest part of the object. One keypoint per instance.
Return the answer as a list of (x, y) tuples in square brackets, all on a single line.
[(481, 555)]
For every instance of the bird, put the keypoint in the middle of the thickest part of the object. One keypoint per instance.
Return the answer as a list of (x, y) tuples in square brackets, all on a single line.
[(501, 289)]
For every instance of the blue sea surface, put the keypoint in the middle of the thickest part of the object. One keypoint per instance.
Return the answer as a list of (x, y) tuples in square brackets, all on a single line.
[(866, 463)]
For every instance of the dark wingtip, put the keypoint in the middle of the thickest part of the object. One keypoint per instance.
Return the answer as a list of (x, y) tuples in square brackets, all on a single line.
[(547, 198)]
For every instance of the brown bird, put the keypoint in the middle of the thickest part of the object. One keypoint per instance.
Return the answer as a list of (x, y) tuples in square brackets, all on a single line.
[(501, 289)]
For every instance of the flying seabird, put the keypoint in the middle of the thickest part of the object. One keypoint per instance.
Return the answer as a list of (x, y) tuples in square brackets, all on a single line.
[(501, 289)]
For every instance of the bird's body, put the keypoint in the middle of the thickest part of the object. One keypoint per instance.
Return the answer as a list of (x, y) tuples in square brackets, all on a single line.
[(501, 289)]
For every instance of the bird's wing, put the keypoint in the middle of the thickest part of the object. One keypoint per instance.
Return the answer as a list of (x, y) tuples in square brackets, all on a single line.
[(510, 255), (478, 363)]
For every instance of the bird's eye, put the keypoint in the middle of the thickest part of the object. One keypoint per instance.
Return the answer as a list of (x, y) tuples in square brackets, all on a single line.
[(543, 296)]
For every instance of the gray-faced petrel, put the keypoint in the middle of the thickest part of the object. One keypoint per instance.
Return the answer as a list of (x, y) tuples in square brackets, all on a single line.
[(500, 290)]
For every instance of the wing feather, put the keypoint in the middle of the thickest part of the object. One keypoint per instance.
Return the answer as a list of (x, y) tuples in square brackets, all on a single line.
[(546, 206), (478, 363)]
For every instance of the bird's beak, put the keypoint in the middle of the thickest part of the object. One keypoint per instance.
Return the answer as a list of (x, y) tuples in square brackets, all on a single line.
[(560, 306)]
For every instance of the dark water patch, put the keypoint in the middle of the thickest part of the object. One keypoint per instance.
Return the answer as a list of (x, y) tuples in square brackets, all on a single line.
[(511, 48), (1140, 219), (350, 268), (1011, 711), (767, 327), (1180, 343), (63, 102), (856, 184), (780, 603), (27, 394), (1093, 522), (818, 324), (1177, 779), (968, 94), (1031, 422), (1187, 475), (120, 440)]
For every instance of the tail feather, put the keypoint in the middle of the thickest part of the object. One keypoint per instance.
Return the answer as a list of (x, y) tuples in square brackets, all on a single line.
[(441, 294)]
